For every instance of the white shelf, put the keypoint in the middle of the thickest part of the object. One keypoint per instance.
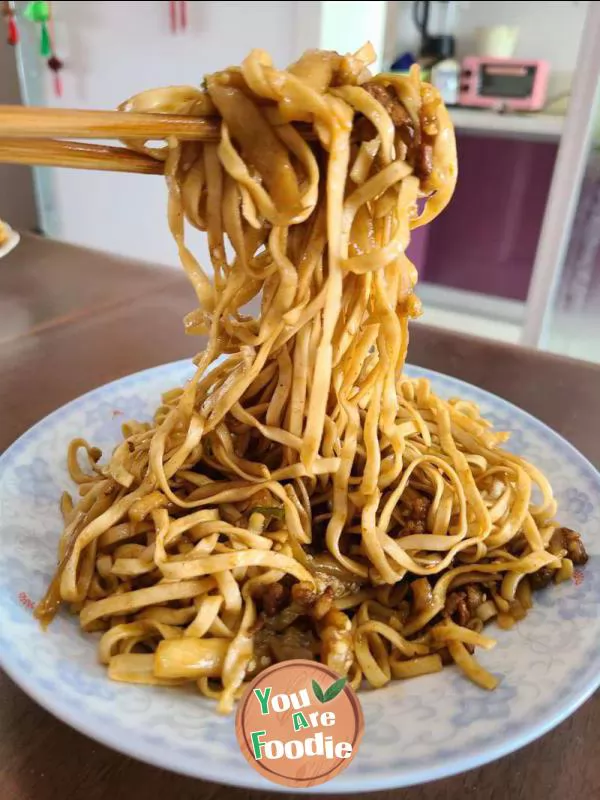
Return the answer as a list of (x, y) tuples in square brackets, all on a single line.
[(513, 126)]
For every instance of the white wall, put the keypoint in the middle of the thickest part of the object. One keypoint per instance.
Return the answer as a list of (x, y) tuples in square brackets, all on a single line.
[(115, 49), (112, 50), (548, 30), (346, 26)]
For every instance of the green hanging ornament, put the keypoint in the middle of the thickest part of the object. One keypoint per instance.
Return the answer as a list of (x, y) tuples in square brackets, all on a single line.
[(45, 46), (40, 12), (37, 12)]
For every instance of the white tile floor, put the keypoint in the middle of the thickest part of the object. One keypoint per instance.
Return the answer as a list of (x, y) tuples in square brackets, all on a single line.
[(577, 336), (468, 312), (571, 335), (463, 322)]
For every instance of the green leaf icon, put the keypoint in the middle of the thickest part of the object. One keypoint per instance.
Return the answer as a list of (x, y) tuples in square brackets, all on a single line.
[(330, 693), (334, 689), (318, 692)]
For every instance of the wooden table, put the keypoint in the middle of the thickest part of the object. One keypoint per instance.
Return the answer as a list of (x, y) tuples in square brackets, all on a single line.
[(72, 319)]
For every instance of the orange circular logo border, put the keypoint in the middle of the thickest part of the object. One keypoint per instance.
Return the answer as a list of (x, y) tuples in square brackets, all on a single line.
[(294, 683)]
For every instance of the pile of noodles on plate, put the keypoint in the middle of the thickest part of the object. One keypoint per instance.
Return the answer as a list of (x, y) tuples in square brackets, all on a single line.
[(300, 497)]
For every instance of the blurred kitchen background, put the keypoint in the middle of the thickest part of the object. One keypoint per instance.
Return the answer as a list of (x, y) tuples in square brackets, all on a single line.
[(515, 257)]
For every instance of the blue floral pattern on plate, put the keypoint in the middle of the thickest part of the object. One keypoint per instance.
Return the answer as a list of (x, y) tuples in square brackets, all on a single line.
[(415, 731)]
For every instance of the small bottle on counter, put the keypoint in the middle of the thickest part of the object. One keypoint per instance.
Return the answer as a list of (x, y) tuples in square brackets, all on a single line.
[(445, 76)]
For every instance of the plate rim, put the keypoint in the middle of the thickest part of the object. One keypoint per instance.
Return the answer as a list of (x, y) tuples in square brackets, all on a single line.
[(12, 240), (98, 730)]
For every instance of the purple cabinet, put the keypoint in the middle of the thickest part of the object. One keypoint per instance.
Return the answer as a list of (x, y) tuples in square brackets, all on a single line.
[(485, 241)]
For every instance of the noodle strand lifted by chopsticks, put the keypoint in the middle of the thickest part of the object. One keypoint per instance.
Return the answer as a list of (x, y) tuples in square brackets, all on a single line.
[(300, 497)]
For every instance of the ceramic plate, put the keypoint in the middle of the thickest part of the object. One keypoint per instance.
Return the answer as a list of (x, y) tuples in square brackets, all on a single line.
[(416, 731)]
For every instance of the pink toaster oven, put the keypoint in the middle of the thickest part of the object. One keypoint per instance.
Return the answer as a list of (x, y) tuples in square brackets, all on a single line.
[(507, 83)]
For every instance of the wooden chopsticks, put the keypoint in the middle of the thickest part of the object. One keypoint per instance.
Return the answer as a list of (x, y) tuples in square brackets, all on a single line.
[(30, 135), (27, 122), (77, 155), (27, 137)]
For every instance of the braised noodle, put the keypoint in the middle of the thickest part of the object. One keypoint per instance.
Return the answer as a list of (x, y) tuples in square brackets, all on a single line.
[(300, 497)]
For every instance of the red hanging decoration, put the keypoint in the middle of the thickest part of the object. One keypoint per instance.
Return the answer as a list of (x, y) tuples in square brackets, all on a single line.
[(12, 31), (55, 65), (178, 21)]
